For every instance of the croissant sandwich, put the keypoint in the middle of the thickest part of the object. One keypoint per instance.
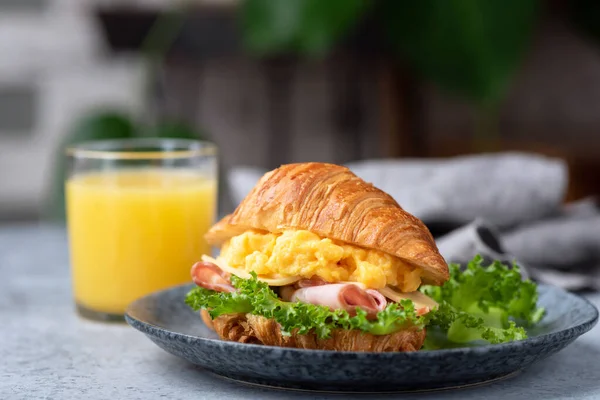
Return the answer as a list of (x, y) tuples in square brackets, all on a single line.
[(316, 258)]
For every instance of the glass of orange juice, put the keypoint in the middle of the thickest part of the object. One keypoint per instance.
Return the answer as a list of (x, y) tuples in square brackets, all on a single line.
[(137, 211)]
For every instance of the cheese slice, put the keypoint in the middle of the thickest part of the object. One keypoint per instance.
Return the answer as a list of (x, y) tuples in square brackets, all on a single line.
[(275, 281), (420, 300)]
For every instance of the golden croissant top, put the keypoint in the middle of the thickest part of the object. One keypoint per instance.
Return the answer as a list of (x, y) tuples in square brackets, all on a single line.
[(332, 202)]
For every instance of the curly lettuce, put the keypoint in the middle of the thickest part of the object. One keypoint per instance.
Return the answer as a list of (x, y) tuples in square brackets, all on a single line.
[(255, 297), (483, 303), (490, 303)]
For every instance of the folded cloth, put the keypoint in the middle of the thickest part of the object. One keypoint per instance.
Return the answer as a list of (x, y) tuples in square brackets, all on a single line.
[(476, 238), (562, 251), (506, 189), (506, 207), (584, 208)]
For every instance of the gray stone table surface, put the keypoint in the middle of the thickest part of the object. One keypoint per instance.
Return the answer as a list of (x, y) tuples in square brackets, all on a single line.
[(47, 352)]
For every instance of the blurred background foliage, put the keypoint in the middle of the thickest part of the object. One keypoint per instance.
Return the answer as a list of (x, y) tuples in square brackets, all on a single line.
[(470, 48), (310, 27)]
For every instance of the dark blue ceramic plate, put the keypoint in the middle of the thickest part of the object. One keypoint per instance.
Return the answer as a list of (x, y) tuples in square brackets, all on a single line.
[(173, 326)]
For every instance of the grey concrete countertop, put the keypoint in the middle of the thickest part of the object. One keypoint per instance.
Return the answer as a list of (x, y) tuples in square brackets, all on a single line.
[(47, 352)]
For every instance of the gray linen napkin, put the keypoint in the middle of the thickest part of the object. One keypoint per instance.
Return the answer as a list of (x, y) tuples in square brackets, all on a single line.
[(508, 206), (563, 250), (478, 237)]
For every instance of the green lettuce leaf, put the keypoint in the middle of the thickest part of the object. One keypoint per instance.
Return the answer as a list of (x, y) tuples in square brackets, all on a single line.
[(254, 296), (484, 303)]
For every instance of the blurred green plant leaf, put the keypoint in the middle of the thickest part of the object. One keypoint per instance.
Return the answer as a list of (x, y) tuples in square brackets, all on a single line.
[(472, 47), (585, 15), (102, 125), (305, 26)]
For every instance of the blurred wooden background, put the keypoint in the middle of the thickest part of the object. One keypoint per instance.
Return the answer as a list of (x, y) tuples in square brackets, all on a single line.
[(357, 104)]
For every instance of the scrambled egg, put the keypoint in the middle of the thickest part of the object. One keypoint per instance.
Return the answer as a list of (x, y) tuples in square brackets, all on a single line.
[(302, 253)]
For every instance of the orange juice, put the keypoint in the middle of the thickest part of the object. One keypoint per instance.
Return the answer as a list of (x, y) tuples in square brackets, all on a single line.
[(135, 231)]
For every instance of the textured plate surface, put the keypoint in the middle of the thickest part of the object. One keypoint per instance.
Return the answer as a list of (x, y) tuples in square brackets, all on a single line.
[(169, 323)]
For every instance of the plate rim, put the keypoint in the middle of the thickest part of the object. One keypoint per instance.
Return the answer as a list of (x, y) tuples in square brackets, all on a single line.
[(584, 327), (432, 390)]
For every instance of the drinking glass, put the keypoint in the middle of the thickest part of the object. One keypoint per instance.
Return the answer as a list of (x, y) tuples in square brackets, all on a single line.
[(137, 211)]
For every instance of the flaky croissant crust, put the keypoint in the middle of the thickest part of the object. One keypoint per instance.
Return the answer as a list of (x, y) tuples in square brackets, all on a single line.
[(332, 202), (248, 328)]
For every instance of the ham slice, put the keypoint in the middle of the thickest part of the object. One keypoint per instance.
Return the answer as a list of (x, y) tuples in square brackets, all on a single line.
[(379, 299), (343, 296), (210, 276)]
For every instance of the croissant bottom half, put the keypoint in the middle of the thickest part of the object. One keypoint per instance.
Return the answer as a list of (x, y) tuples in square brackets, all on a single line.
[(248, 328)]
